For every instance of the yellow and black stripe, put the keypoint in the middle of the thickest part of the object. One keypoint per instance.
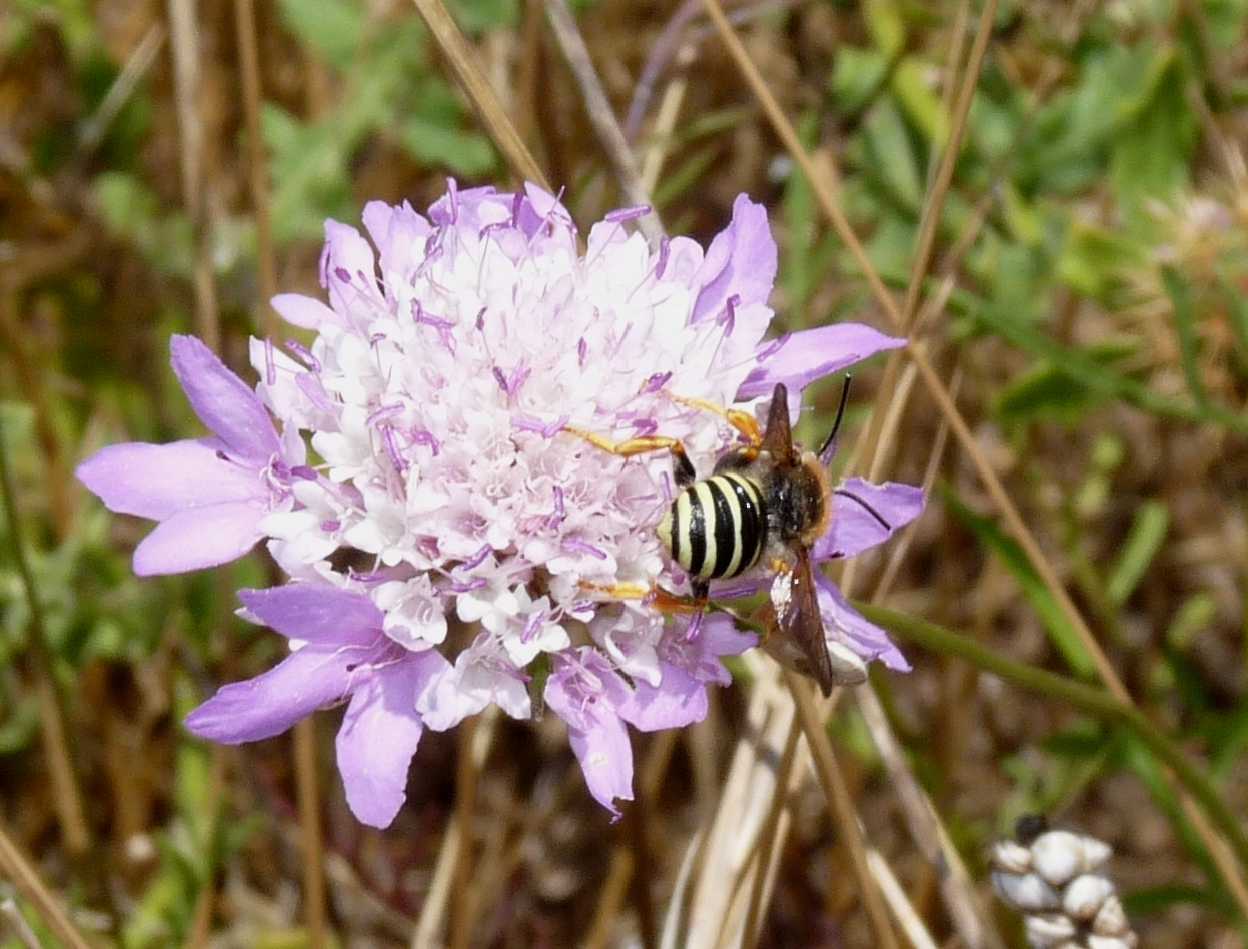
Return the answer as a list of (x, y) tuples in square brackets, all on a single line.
[(716, 528)]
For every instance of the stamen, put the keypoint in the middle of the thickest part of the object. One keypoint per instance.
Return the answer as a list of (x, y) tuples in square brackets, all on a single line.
[(460, 586), (773, 347), (620, 215), (476, 559), (665, 251), (656, 382), (573, 545), (383, 412), (302, 353), (270, 365), (865, 506)]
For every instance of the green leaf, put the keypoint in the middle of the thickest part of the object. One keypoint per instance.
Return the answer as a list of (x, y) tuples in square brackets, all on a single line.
[(919, 101), (333, 28), (1148, 531), (857, 75), (475, 17), (1185, 327), (1048, 390), (886, 26), (890, 155), (1062, 634)]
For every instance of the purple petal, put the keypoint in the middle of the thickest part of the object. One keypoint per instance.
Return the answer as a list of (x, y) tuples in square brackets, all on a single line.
[(267, 705), (223, 402), (320, 614), (606, 758), (200, 537), (379, 735), (679, 700), (157, 481), (805, 356), (852, 628), (741, 261), (399, 233), (854, 529), (304, 312), (350, 270)]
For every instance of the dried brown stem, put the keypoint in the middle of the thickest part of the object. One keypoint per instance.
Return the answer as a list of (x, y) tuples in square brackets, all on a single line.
[(66, 796), (463, 63), (15, 867), (249, 78), (769, 841), (465, 814), (312, 844), (606, 127), (842, 805), (183, 36)]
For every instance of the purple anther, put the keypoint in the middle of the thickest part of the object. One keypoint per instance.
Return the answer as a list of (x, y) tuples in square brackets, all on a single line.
[(303, 472), (476, 559), (303, 354), (311, 386), (322, 267), (573, 545), (558, 492), (452, 193), (460, 586), (656, 382), (501, 380), (270, 365), (384, 412), (392, 449), (420, 436), (582, 606), (665, 250), (695, 627), (331, 526), (620, 215), (582, 348), (376, 338), (342, 274), (555, 427), (729, 318), (645, 426), (773, 347), (532, 625), (481, 319)]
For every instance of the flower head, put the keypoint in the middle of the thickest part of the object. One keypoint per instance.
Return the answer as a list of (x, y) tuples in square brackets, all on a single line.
[(437, 397)]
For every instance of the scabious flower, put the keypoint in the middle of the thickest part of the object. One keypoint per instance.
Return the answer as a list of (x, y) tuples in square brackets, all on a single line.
[(450, 544)]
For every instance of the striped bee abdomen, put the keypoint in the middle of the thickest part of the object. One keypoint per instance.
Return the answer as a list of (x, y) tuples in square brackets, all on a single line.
[(716, 528)]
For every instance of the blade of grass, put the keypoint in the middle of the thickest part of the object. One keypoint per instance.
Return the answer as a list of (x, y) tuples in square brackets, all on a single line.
[(1185, 327), (15, 866), (571, 43), (1148, 532), (463, 63), (1088, 699)]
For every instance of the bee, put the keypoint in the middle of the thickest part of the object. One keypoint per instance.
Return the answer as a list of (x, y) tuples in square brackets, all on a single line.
[(766, 501)]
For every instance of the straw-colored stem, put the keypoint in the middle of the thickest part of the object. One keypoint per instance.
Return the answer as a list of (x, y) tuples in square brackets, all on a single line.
[(184, 41), (936, 388), (606, 127), (309, 794), (66, 797), (18, 870), (460, 56), (257, 172), (841, 804), (767, 841), (466, 774)]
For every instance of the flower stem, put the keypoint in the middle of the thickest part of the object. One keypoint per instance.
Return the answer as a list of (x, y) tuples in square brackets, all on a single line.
[(65, 794), (1086, 698)]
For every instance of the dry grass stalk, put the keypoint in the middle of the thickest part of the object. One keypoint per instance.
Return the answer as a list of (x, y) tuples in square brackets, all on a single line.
[(903, 911), (257, 171), (842, 804), (184, 40), (15, 867), (463, 63), (992, 483), (572, 45), (132, 73), (312, 844)]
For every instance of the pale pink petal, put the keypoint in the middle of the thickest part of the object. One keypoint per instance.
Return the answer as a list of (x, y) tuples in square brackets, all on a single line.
[(200, 537), (315, 612), (349, 270), (398, 232), (379, 735), (304, 312), (678, 700), (854, 528), (157, 481), (800, 358), (740, 262), (606, 758), (224, 402), (313, 677)]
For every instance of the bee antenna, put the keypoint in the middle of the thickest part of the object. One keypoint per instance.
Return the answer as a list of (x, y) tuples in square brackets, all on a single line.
[(830, 441), (864, 505)]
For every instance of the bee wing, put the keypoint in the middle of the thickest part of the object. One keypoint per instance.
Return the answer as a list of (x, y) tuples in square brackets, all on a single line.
[(799, 620), (778, 439)]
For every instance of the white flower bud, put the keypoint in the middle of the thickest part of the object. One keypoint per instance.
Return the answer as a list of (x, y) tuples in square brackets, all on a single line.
[(1049, 931), (1111, 919), (1084, 896), (1026, 892), (1058, 856), (1096, 853), (1010, 856), (1129, 941)]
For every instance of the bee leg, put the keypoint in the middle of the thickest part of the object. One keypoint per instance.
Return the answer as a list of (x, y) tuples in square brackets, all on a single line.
[(684, 470), (743, 422), (617, 591)]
